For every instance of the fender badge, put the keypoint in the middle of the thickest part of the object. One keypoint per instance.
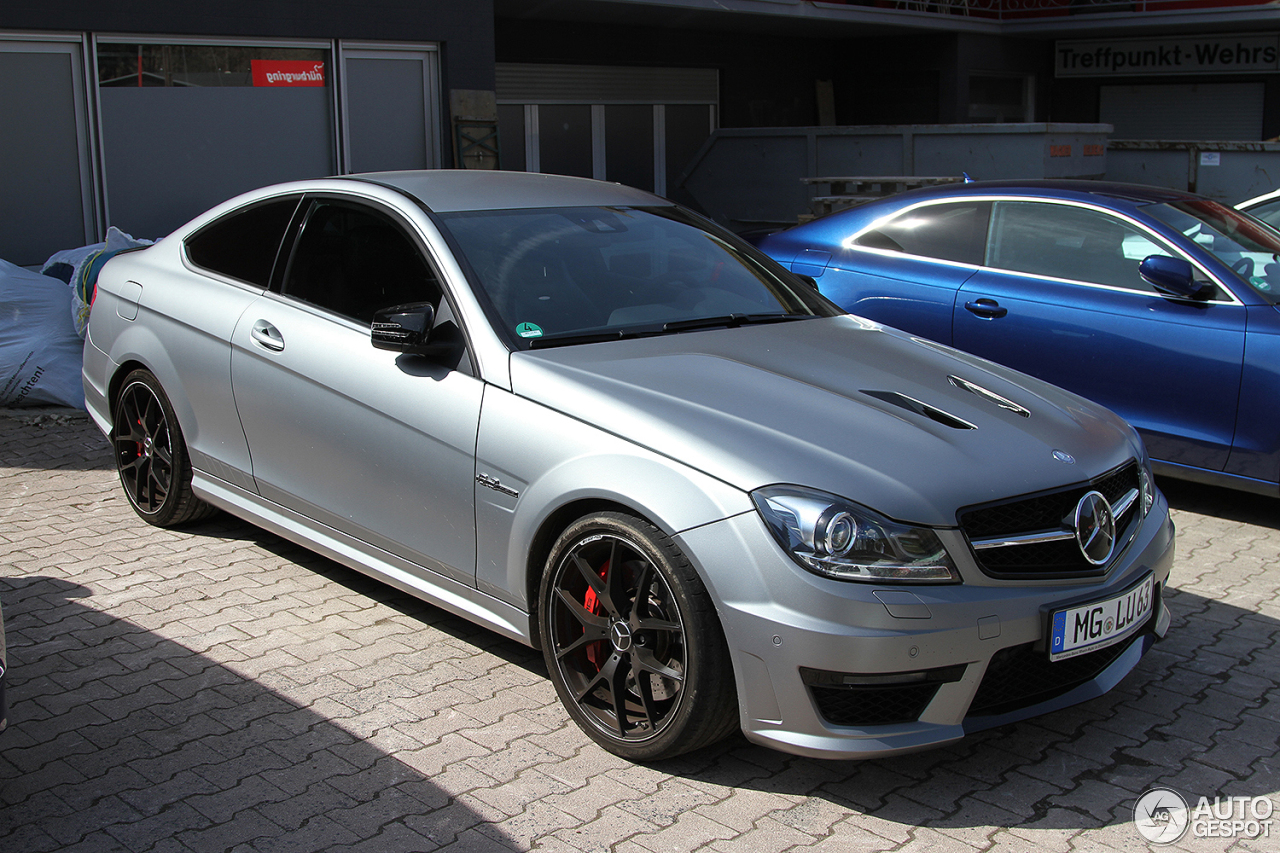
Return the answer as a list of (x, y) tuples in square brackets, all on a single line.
[(496, 484)]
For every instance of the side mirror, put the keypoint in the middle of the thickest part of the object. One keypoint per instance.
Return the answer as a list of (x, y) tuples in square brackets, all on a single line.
[(1173, 277), (403, 328)]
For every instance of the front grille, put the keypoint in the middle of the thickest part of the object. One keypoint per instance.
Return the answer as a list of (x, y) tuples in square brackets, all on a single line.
[(873, 706), (1021, 676), (1048, 512)]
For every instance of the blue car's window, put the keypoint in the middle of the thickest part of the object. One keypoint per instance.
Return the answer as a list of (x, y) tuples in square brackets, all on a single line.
[(1069, 242), (951, 231), (588, 271), (1251, 250)]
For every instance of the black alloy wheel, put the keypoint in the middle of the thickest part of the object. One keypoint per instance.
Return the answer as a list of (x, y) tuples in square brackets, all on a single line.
[(632, 642), (151, 457)]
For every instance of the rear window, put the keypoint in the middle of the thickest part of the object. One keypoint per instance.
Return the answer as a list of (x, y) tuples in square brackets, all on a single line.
[(243, 245), (955, 231)]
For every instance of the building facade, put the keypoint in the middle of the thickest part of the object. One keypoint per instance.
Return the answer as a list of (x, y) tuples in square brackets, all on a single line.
[(141, 115)]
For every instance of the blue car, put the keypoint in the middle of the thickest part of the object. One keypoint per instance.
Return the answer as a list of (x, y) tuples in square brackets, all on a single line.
[(1158, 304)]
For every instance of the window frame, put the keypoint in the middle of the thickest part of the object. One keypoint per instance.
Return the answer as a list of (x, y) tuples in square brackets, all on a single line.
[(879, 225), (849, 243), (283, 241), (446, 310)]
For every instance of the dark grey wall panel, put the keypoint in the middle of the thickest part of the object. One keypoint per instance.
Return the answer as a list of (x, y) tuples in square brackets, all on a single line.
[(172, 152), (466, 28), (386, 110), (41, 203)]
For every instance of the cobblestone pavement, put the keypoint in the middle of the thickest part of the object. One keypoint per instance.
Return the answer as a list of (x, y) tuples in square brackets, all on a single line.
[(218, 689)]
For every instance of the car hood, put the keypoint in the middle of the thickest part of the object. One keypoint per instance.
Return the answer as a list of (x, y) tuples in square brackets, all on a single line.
[(838, 404)]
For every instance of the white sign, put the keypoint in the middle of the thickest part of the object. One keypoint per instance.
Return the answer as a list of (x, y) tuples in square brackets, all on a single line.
[(1225, 54)]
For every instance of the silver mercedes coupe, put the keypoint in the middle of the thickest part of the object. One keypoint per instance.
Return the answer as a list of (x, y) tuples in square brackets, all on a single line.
[(600, 425)]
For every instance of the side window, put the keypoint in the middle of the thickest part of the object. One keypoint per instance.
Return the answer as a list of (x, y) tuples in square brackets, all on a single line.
[(1268, 212), (953, 231), (353, 260), (244, 244), (1064, 241)]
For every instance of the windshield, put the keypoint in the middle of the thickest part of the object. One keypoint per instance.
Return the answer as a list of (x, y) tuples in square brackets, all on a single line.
[(594, 273), (1251, 249)]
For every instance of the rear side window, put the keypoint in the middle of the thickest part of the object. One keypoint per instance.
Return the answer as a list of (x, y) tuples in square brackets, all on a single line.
[(955, 231), (243, 245)]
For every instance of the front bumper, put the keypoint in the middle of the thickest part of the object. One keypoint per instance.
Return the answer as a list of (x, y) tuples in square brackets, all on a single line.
[(851, 670)]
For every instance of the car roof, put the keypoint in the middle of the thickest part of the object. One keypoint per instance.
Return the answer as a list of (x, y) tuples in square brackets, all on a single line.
[(1109, 192), (452, 190)]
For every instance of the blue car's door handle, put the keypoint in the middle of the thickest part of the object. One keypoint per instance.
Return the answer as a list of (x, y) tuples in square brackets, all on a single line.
[(988, 308)]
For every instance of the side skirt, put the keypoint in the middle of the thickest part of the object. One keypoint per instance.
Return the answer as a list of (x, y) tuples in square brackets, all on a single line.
[(458, 599)]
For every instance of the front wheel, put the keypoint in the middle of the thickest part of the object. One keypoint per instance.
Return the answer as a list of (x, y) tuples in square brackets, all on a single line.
[(632, 642), (151, 457)]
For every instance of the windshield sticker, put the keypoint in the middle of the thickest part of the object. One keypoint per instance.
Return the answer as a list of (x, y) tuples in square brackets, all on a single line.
[(1261, 283), (529, 330)]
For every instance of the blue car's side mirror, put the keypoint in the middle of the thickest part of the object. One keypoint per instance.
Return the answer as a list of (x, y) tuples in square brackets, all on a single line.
[(1173, 277)]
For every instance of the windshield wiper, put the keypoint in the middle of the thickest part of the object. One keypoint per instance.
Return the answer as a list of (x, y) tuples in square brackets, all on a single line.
[(727, 321), (565, 339), (730, 321)]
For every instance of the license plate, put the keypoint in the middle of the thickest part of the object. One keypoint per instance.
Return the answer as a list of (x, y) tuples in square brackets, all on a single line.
[(1089, 627)]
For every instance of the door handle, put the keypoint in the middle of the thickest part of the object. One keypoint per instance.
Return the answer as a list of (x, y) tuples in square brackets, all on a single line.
[(986, 308), (267, 335)]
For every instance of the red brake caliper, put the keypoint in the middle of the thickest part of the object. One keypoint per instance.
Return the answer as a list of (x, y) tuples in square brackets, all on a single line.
[(595, 652)]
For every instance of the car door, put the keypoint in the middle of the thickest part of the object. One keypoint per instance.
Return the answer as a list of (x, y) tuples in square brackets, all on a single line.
[(1060, 298), (375, 444), (904, 271)]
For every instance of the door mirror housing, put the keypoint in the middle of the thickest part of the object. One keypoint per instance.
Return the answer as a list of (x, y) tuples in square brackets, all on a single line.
[(404, 328), (1173, 277)]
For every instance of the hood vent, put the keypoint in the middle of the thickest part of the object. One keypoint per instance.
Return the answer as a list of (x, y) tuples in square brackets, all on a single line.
[(913, 405), (989, 396)]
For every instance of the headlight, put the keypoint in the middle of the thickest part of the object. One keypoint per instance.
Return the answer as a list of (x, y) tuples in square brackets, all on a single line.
[(839, 539), (1147, 487)]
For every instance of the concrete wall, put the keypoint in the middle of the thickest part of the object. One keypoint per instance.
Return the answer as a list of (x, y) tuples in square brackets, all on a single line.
[(747, 176), (1227, 171)]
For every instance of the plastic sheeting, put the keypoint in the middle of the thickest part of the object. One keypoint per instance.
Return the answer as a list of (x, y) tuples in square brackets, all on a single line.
[(40, 351), (80, 267)]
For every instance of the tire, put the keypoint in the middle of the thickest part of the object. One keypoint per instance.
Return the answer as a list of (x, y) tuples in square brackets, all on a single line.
[(151, 456), (632, 642)]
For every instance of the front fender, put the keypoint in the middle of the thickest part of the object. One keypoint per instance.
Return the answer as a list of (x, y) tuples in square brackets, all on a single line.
[(533, 462)]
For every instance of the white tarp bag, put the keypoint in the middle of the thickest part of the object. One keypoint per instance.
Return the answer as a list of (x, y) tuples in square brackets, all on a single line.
[(40, 352)]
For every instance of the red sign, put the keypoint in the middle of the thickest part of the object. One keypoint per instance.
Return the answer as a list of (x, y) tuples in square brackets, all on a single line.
[(287, 72), (1059, 150)]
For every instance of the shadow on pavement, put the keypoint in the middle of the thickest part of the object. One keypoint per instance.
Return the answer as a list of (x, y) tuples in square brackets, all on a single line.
[(45, 443), (122, 739), (1228, 504)]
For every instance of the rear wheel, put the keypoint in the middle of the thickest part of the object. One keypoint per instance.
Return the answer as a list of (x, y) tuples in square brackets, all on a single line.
[(151, 456), (632, 642)]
